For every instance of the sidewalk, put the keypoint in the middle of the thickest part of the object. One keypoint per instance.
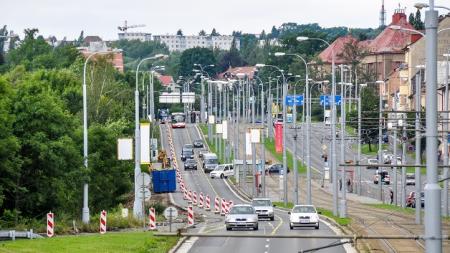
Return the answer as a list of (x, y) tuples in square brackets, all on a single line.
[(365, 219)]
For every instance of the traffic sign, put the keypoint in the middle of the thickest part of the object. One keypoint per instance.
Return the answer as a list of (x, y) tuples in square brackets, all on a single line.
[(290, 100), (327, 100), (170, 213)]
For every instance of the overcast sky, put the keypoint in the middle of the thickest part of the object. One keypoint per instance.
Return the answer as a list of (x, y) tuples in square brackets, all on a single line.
[(101, 17)]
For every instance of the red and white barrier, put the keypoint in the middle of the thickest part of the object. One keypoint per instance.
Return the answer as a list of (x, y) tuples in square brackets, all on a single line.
[(200, 202), (189, 196), (216, 205), (207, 203), (223, 206), (152, 219), (50, 225), (190, 215), (185, 194), (103, 222), (194, 198)]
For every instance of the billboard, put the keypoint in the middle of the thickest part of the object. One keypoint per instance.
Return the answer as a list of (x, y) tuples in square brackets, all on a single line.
[(145, 143), (224, 129), (125, 149), (278, 138)]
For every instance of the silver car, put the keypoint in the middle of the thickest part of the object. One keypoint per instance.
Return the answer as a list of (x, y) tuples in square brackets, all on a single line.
[(242, 216), (263, 207)]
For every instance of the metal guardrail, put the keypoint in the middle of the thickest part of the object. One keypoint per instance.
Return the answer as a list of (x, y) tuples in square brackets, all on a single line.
[(13, 234)]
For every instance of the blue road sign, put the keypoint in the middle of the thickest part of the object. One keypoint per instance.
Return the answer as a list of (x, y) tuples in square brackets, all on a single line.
[(298, 100), (326, 99)]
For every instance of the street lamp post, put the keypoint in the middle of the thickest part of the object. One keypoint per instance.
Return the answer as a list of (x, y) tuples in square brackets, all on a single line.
[(380, 135), (85, 211), (137, 205), (333, 123), (358, 188), (418, 159)]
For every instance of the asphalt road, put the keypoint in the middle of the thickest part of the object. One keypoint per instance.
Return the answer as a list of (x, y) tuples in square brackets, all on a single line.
[(198, 181)]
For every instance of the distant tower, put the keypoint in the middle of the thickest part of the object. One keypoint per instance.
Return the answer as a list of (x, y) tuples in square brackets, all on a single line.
[(382, 15)]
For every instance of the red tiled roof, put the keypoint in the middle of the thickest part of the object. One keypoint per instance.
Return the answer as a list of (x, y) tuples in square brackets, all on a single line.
[(390, 40), (337, 46), (165, 80), (232, 72)]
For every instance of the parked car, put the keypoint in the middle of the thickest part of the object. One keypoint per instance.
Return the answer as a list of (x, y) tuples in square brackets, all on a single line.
[(198, 144), (264, 208), (222, 171), (410, 179), (241, 216), (276, 168), (385, 178), (187, 153), (411, 199), (210, 161), (190, 164), (304, 216), (371, 164)]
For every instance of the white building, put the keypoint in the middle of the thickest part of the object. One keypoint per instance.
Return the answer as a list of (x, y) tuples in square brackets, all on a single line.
[(181, 43), (135, 36)]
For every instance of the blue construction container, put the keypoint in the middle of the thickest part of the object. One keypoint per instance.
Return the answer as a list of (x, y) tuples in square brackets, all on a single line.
[(164, 181)]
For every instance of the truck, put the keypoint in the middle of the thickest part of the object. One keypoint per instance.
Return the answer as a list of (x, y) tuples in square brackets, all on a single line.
[(210, 161)]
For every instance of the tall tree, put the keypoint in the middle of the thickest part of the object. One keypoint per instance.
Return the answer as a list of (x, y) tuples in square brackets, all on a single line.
[(202, 33), (197, 55), (412, 19), (179, 32), (263, 35), (418, 23), (214, 32)]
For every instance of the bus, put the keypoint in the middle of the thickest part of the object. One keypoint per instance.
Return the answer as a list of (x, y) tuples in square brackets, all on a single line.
[(178, 120), (163, 115)]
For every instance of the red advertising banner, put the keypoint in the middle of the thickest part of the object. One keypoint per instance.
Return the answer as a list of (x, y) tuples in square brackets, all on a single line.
[(278, 137)]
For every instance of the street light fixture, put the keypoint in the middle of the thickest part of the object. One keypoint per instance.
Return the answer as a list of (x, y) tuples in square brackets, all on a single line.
[(137, 205)]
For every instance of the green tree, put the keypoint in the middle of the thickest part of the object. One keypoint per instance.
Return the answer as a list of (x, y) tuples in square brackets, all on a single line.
[(411, 19), (418, 23), (202, 33), (214, 32), (179, 32), (197, 55)]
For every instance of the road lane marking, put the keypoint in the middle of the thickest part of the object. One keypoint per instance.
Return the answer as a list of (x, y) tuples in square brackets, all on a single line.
[(278, 226)]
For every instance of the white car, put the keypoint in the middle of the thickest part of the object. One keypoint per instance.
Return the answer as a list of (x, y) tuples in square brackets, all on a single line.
[(303, 216), (264, 208), (410, 179), (222, 171)]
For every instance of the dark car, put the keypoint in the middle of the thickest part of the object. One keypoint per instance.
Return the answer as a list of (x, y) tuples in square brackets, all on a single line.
[(411, 199), (198, 144), (190, 164), (276, 169), (187, 153)]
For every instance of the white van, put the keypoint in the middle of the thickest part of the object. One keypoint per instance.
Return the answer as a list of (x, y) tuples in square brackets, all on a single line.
[(222, 171), (210, 162)]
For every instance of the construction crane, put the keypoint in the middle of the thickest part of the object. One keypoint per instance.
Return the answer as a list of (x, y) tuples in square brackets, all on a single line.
[(125, 27)]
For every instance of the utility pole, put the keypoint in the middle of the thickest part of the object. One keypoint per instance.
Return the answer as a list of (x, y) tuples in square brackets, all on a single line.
[(433, 227), (343, 209), (263, 149), (209, 110), (404, 138), (418, 149), (253, 102), (394, 186), (202, 100)]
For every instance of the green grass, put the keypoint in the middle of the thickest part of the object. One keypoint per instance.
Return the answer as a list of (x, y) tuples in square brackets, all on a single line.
[(211, 144), (109, 242), (270, 146), (329, 214), (289, 205), (365, 148), (393, 208)]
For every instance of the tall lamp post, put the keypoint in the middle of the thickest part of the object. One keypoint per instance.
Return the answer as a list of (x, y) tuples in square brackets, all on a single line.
[(333, 122), (202, 97), (137, 205), (85, 211), (285, 195), (308, 134)]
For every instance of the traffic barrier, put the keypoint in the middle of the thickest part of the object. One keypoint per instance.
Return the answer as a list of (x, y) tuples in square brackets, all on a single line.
[(103, 222), (207, 203), (216, 205), (190, 215), (223, 206), (200, 201), (185, 195), (194, 198), (152, 218), (50, 224), (189, 196)]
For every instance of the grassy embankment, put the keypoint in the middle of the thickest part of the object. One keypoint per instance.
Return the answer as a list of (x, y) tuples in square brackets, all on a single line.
[(109, 242)]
